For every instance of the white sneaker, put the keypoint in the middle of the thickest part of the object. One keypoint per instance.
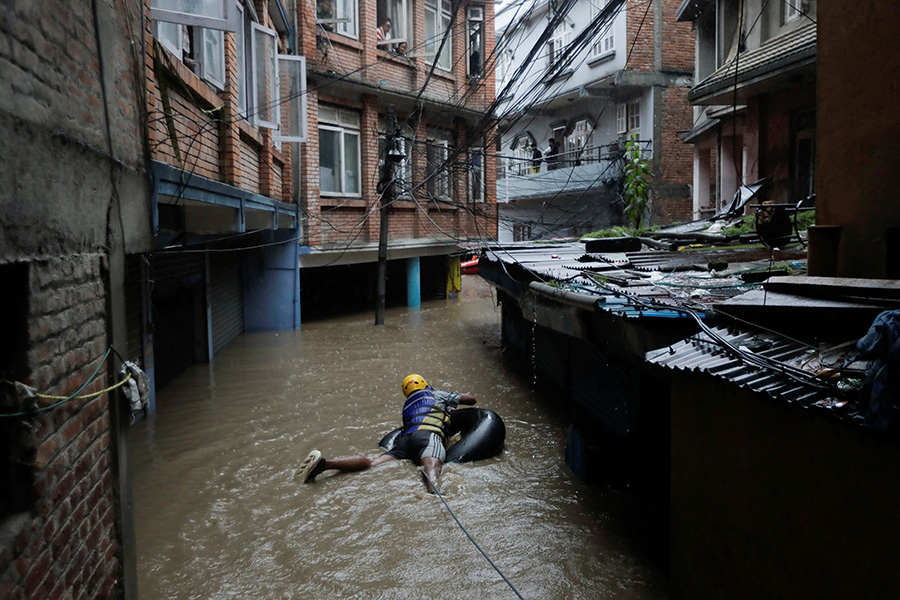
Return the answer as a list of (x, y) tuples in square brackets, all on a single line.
[(313, 464)]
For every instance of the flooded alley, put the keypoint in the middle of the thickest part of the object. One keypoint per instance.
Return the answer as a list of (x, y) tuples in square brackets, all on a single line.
[(219, 513)]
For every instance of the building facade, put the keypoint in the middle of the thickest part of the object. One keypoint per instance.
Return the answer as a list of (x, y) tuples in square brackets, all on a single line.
[(754, 100), (426, 82), (591, 75)]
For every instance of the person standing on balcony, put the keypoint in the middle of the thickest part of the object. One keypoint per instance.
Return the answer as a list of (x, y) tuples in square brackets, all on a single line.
[(383, 32), (536, 158), (552, 155)]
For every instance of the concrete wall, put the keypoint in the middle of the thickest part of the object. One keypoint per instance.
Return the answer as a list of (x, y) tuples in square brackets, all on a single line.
[(73, 201), (857, 129), (770, 501)]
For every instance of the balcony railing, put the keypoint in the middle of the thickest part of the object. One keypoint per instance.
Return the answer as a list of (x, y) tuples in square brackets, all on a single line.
[(574, 171)]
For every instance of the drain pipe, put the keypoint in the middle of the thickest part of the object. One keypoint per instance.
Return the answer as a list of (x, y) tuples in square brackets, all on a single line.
[(575, 299)]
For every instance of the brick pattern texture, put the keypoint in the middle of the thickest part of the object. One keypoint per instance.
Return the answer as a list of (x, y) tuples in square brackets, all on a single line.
[(68, 547)]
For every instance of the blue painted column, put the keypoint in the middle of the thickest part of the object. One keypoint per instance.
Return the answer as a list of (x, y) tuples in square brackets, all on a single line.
[(413, 282)]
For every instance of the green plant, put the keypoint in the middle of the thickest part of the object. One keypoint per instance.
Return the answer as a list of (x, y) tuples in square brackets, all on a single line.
[(637, 183)]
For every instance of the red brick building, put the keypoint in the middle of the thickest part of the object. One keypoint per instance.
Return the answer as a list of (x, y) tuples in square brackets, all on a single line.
[(440, 88)]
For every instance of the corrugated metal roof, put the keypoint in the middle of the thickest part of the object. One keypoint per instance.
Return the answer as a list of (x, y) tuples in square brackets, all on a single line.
[(703, 354), (785, 51)]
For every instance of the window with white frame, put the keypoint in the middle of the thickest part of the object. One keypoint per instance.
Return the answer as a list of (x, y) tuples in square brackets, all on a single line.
[(562, 37), (628, 117), (347, 14), (398, 12), (475, 41), (437, 22), (208, 14), (292, 99), (339, 153), (793, 9), (524, 152), (201, 50), (437, 167), (476, 175), (578, 140), (606, 42), (504, 66)]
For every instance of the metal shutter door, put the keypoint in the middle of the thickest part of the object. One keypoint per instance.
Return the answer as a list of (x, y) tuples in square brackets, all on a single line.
[(226, 301)]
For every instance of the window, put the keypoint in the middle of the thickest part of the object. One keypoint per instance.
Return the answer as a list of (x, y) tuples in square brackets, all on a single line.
[(241, 47), (338, 151), (521, 233), (476, 174), (208, 14), (557, 43), (628, 117), (634, 116), (578, 140), (212, 57), (475, 35), (523, 152), (201, 50), (398, 13), (264, 73), (606, 42), (338, 16), (292, 84), (437, 22), (793, 9), (437, 168), (504, 66)]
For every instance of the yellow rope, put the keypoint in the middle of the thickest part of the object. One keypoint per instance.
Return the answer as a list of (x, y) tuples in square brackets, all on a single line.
[(85, 396)]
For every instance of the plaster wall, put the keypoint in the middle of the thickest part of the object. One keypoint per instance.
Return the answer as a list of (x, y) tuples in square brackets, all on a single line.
[(856, 136)]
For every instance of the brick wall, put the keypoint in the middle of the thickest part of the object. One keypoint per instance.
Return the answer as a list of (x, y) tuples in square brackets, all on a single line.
[(68, 190), (369, 70), (68, 546), (672, 199)]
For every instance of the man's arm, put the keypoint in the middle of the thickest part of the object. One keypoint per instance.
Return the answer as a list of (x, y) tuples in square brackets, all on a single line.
[(466, 399)]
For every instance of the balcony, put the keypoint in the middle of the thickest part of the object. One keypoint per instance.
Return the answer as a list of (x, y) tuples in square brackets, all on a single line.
[(575, 172)]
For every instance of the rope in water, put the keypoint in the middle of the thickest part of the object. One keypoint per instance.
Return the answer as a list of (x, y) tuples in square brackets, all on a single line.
[(487, 558)]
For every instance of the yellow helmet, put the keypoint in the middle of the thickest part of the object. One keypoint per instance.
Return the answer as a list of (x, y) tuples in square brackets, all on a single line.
[(412, 383)]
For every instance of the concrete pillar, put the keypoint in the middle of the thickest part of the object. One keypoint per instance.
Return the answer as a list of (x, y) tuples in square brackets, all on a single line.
[(701, 180), (413, 282)]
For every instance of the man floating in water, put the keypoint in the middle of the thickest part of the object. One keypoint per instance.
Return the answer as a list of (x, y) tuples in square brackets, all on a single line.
[(426, 414)]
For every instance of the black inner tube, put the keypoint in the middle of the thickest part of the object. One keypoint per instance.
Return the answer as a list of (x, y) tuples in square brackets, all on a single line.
[(482, 434)]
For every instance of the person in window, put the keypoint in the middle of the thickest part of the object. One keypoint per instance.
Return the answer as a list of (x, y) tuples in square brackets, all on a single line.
[(474, 63), (383, 32), (426, 413), (325, 10), (552, 156), (536, 158), (400, 49)]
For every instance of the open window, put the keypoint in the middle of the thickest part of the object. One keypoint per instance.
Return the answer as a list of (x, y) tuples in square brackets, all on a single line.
[(437, 21), (475, 41), (208, 14), (264, 62), (201, 50), (397, 11), (292, 101), (556, 45), (628, 117)]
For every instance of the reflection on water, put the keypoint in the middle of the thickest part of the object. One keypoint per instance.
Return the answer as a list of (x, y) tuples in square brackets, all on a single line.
[(220, 515)]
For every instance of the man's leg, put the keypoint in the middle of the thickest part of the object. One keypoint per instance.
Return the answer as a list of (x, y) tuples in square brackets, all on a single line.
[(315, 463), (432, 468)]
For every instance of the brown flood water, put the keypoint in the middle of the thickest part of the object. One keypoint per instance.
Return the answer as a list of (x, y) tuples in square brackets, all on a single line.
[(220, 515)]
